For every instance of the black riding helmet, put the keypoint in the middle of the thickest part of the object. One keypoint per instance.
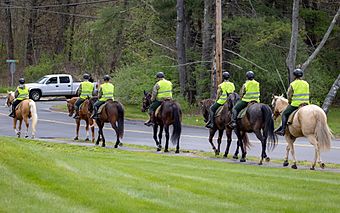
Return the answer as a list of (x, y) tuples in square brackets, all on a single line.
[(250, 75), (86, 76), (106, 77), (225, 75), (298, 73), (160, 75), (21, 80)]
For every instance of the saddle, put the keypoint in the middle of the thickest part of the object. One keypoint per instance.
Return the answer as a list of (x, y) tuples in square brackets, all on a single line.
[(243, 112), (219, 111), (291, 116), (158, 110), (100, 109), (19, 106)]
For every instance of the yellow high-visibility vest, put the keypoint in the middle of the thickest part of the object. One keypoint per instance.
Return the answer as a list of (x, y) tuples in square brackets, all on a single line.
[(227, 88), (23, 93), (107, 91), (165, 89), (252, 88), (86, 89), (301, 92)]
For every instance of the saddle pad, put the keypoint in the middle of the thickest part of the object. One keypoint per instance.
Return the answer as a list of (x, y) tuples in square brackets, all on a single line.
[(242, 113), (291, 117), (101, 108), (219, 111), (158, 111)]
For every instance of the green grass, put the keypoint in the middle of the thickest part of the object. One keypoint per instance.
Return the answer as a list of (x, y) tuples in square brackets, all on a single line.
[(5, 89), (334, 120), (46, 177)]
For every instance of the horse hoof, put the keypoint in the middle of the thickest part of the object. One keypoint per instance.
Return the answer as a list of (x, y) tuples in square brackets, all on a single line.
[(87, 139), (225, 156), (267, 159), (312, 168), (76, 138), (177, 151), (285, 163), (243, 160), (26, 136), (159, 149), (260, 163), (166, 150), (294, 166), (116, 146), (217, 153), (322, 165), (103, 145), (235, 157), (97, 143), (120, 144)]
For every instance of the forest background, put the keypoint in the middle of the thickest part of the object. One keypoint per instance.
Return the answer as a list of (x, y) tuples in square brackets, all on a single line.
[(134, 39)]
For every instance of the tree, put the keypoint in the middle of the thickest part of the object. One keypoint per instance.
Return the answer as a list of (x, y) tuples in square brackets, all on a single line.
[(331, 95), (180, 44), (10, 41)]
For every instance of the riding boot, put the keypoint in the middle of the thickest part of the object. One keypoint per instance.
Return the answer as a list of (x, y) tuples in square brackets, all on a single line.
[(94, 113), (233, 119), (282, 129), (150, 122), (76, 115), (12, 114), (210, 123)]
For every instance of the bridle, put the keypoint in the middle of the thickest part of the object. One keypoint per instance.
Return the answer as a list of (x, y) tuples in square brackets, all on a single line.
[(276, 113)]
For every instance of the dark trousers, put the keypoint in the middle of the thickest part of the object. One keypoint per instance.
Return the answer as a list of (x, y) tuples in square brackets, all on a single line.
[(15, 104), (289, 110), (78, 103), (154, 105), (215, 106)]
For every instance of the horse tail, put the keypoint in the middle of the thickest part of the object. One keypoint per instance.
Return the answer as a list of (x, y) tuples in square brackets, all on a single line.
[(33, 110), (269, 126), (177, 126), (120, 120), (323, 132), (246, 141)]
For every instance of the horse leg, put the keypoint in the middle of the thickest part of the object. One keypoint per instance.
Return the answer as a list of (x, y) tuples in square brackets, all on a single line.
[(177, 146), (285, 162), (77, 129), (315, 143), (102, 134), (92, 132), (263, 143), (160, 134), (167, 135), (219, 141), (87, 130), (19, 128), (229, 139), (211, 136), (155, 130), (240, 144), (27, 125), (114, 126), (290, 147)]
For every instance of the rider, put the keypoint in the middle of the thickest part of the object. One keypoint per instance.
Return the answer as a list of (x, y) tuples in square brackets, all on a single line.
[(224, 89), (21, 93), (106, 92), (250, 91), (162, 90), (85, 91), (298, 93)]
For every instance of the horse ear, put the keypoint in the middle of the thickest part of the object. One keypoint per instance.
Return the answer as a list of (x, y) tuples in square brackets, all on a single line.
[(281, 95), (145, 92)]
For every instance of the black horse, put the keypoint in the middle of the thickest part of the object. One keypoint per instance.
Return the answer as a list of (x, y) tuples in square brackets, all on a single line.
[(113, 113), (258, 119), (221, 123), (169, 114)]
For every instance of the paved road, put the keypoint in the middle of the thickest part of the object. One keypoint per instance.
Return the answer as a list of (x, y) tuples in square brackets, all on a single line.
[(58, 125)]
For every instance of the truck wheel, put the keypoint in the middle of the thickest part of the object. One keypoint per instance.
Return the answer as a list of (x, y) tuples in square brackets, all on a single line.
[(69, 96), (35, 95)]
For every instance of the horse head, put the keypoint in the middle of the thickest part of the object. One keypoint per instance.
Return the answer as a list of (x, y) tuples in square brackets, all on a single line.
[(233, 98), (205, 106), (70, 106), (279, 104), (146, 101), (9, 98), (91, 103)]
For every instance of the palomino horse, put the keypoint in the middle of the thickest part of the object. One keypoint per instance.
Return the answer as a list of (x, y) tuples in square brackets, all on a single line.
[(309, 121), (169, 114), (113, 113), (84, 114), (258, 119), (25, 110), (221, 123)]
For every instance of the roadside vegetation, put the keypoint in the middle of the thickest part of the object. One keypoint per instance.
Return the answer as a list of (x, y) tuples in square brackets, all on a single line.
[(40, 177)]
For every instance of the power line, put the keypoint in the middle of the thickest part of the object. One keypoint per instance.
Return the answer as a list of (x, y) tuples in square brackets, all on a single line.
[(72, 4)]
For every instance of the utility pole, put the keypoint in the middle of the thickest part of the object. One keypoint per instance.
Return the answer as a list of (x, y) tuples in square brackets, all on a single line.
[(218, 50)]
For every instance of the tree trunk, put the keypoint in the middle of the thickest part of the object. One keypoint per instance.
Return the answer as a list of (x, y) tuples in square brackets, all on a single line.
[(323, 41), (207, 46), (30, 43), (331, 95), (290, 61), (217, 78), (73, 20), (10, 41), (180, 44), (63, 25)]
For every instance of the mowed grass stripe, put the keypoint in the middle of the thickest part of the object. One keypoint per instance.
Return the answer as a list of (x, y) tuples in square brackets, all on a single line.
[(38, 176)]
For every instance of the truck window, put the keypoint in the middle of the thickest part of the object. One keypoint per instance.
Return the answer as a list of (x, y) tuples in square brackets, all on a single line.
[(52, 80), (64, 79)]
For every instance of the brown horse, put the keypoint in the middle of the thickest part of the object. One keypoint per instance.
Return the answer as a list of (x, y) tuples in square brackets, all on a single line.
[(309, 121), (113, 113), (169, 114), (25, 110), (84, 114), (220, 124), (258, 119)]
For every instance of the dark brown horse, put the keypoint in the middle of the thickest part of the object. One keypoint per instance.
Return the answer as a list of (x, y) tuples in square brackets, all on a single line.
[(26, 109), (113, 113), (258, 119), (84, 114), (221, 123), (169, 114)]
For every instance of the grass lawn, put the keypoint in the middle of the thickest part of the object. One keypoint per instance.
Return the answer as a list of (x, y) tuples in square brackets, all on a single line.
[(46, 177)]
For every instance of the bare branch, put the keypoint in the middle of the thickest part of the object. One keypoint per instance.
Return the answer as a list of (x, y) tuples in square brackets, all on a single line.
[(162, 45), (323, 41)]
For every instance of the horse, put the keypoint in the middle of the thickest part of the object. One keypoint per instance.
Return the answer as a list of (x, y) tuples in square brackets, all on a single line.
[(113, 113), (309, 121), (25, 110), (84, 114), (169, 113), (257, 119), (221, 123)]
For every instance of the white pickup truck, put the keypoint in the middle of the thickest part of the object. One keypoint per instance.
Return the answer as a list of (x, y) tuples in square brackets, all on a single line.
[(53, 85)]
